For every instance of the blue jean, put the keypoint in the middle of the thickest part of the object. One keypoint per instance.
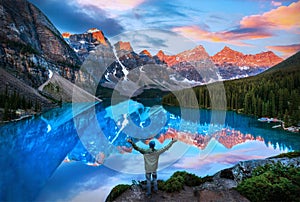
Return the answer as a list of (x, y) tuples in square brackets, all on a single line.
[(154, 179)]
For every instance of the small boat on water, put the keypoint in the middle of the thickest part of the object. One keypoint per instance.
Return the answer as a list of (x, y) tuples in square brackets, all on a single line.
[(277, 126), (293, 129), (263, 119), (266, 119)]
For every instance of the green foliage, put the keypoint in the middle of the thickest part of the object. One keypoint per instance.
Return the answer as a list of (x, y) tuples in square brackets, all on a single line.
[(10, 101), (117, 191), (151, 94), (227, 174), (28, 49), (175, 183), (288, 155), (272, 182), (23, 48), (180, 179), (160, 184), (275, 93)]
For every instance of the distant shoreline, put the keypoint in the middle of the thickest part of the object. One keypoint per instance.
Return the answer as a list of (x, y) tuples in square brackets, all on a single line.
[(293, 129)]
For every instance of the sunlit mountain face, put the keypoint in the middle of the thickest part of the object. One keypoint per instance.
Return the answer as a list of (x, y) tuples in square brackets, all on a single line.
[(229, 63)]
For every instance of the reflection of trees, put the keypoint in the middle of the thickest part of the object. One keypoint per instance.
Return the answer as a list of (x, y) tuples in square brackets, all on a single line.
[(282, 140), (227, 137)]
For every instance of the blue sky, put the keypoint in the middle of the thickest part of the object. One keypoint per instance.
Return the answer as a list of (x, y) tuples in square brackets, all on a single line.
[(249, 26)]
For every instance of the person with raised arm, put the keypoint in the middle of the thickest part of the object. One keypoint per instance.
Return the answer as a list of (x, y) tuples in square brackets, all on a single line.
[(151, 157)]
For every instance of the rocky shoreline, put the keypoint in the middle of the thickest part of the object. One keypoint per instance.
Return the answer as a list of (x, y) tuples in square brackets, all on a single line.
[(222, 187)]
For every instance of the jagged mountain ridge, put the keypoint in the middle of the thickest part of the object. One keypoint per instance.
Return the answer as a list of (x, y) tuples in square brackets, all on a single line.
[(188, 68), (228, 57), (184, 66), (196, 54), (230, 64), (234, 64), (85, 43)]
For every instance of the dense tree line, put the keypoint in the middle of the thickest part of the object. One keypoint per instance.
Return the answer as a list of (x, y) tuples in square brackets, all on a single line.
[(10, 102), (274, 93)]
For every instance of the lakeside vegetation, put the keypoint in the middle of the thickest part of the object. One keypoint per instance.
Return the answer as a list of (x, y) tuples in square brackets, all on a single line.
[(11, 102), (272, 182), (175, 183), (269, 182), (274, 93)]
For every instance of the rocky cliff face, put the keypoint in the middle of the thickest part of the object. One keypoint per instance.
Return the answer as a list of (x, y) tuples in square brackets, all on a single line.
[(112, 64), (123, 48), (86, 43), (195, 65), (196, 54), (228, 57), (30, 44), (234, 64)]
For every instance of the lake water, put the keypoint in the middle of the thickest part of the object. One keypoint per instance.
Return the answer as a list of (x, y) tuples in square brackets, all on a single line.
[(79, 152)]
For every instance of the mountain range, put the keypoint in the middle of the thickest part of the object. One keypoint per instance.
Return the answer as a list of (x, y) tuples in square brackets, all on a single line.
[(230, 63), (31, 47), (273, 93)]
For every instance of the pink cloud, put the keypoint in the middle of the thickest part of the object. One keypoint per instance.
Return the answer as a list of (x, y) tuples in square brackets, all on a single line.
[(231, 37), (276, 3), (283, 17), (286, 50), (251, 27)]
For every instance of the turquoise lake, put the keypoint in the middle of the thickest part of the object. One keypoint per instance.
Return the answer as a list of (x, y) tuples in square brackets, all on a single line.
[(79, 152)]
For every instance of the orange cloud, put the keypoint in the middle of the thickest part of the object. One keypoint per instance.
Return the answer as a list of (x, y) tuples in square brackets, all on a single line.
[(196, 33), (230, 37), (251, 27), (287, 50), (283, 17)]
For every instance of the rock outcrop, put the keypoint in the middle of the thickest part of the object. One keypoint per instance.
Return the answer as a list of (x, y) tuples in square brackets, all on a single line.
[(30, 46), (221, 188), (123, 48), (62, 90), (196, 54), (145, 52), (98, 35), (228, 57), (195, 65), (233, 64), (86, 43)]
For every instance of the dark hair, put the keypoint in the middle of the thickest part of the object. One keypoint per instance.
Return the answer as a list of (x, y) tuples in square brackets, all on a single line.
[(152, 144)]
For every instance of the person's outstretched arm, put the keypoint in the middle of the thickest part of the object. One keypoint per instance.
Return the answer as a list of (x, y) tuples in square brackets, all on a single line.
[(136, 147), (167, 147)]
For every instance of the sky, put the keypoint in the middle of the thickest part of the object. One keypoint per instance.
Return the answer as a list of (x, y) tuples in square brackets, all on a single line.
[(248, 26)]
